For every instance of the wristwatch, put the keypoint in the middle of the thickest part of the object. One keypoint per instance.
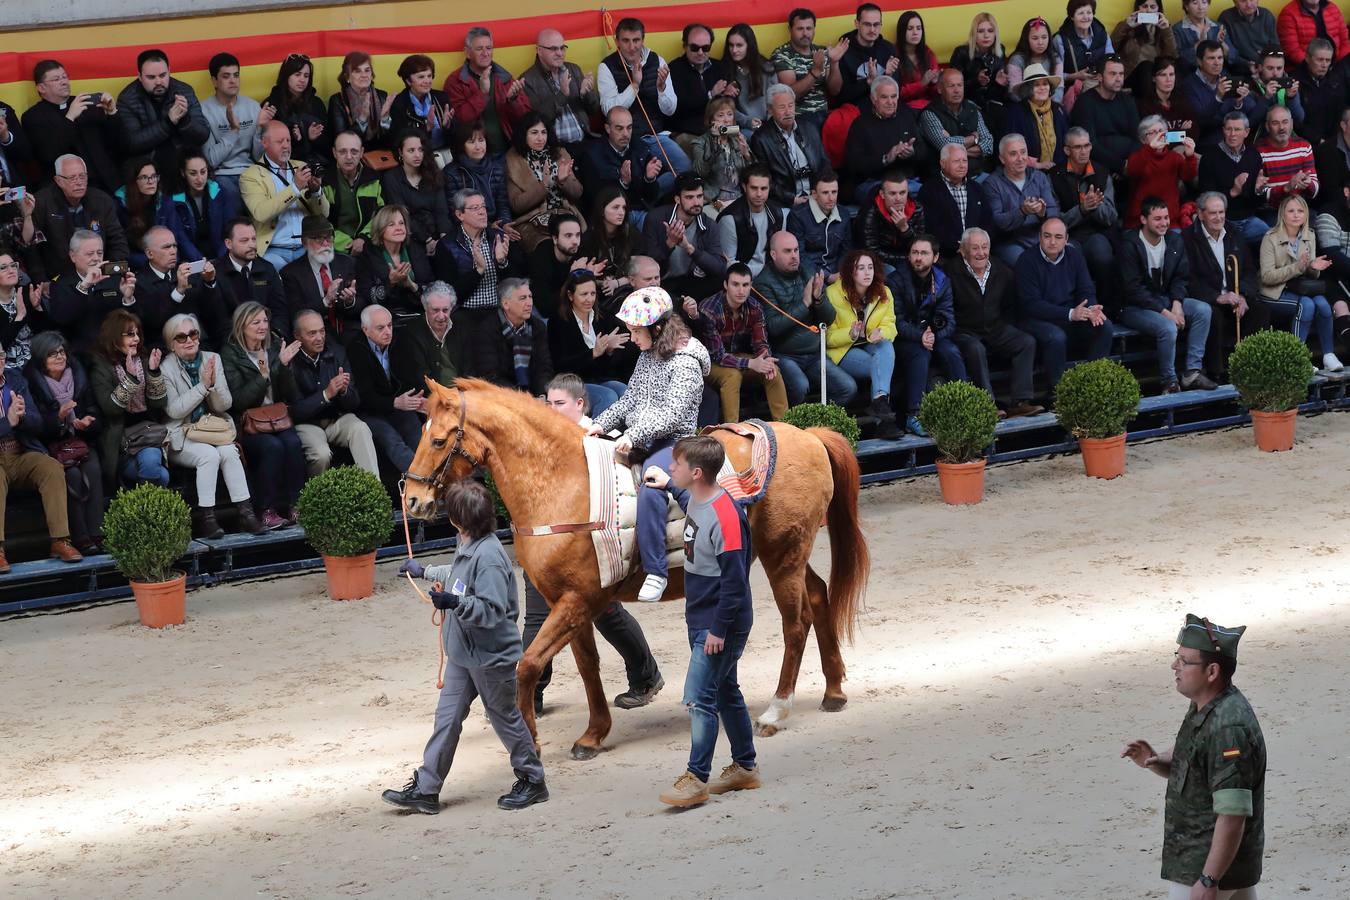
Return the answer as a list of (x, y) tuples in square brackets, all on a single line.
[(1207, 882)]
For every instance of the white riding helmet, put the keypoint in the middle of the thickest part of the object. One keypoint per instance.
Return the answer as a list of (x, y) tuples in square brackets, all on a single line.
[(646, 307)]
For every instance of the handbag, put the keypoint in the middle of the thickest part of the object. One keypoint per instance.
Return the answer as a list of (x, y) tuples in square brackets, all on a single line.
[(269, 419), (379, 160), (211, 429), (143, 436), (69, 451), (1308, 287)]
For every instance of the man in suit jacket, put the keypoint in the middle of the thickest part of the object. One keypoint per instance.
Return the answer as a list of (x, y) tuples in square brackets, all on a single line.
[(325, 409), (278, 192), (165, 289), (322, 280), (245, 276), (1156, 292), (952, 203), (1234, 296), (559, 91), (511, 348), (67, 205), (388, 406), (82, 298)]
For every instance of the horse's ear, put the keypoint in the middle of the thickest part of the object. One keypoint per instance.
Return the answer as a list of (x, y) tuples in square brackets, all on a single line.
[(436, 389)]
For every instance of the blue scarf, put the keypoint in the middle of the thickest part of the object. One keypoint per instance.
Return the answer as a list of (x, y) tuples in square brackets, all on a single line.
[(522, 346)]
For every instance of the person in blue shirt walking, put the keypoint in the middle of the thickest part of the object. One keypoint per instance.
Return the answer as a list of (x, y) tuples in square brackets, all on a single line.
[(718, 612)]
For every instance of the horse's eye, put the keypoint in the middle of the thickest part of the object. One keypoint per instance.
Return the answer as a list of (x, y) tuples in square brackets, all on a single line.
[(438, 443)]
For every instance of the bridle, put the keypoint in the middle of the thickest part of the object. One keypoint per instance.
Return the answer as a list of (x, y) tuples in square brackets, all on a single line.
[(438, 479)]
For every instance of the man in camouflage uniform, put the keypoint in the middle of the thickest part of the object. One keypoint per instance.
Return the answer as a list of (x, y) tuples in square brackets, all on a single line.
[(1213, 831)]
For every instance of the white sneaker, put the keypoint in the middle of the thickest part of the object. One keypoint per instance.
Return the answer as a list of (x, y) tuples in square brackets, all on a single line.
[(652, 588), (1330, 363)]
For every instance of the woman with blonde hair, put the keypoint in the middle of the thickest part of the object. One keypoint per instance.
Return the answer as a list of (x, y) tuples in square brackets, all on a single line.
[(981, 60), (198, 398), (394, 267), (1291, 276)]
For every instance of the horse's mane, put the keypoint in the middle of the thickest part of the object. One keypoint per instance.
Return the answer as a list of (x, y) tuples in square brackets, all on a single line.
[(553, 427)]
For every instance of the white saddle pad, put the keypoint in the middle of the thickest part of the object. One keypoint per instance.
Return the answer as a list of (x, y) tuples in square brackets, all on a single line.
[(613, 499)]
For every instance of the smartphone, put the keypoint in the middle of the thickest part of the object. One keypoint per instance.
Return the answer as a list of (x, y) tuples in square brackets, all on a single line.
[(1146, 18), (1174, 137), (93, 98), (13, 194), (113, 269), (195, 268)]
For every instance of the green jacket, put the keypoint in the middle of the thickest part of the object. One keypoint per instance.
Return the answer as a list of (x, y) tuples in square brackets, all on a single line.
[(1218, 767), (786, 337), (248, 388), (369, 198)]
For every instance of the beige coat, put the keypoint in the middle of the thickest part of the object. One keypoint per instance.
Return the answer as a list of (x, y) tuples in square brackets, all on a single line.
[(184, 396), (529, 197), (1277, 268)]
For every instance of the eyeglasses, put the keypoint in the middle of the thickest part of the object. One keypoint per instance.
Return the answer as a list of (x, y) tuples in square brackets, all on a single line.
[(9, 267), (1186, 662), (553, 48), (477, 207), (187, 337), (699, 48), (59, 351), (147, 179), (75, 179)]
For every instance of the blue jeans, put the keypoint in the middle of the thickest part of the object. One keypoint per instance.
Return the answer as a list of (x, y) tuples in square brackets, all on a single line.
[(1164, 333), (1308, 313), (678, 158), (1010, 249), (1252, 229), (801, 377), (1053, 338), (652, 505), (280, 256), (916, 361), (146, 465), (710, 692), (276, 464), (229, 186), (873, 362), (396, 436), (603, 394)]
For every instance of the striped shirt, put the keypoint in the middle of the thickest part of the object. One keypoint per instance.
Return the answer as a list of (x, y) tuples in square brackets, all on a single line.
[(1281, 164)]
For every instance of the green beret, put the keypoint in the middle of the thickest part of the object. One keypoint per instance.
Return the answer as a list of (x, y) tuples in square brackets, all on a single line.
[(1202, 634)]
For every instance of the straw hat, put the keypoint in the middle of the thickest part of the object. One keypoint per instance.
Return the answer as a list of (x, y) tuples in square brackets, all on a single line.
[(1036, 72)]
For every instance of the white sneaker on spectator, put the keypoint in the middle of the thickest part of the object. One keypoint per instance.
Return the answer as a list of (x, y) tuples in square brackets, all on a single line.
[(652, 588), (1330, 363)]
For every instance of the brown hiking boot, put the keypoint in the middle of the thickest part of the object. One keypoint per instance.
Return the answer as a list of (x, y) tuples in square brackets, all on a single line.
[(735, 778), (687, 791), (65, 551), (4, 563)]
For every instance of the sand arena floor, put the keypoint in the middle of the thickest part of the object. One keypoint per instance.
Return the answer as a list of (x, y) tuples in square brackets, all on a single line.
[(1007, 653)]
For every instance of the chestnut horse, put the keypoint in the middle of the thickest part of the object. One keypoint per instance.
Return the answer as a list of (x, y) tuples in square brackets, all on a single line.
[(536, 459)]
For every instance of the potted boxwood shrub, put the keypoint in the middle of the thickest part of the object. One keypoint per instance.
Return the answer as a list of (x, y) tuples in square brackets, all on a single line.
[(1271, 372), (961, 418), (146, 530), (1093, 402), (824, 415), (347, 515)]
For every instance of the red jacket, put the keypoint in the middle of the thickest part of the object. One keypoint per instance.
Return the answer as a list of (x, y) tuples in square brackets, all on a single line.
[(1296, 27), (1155, 174), (470, 102)]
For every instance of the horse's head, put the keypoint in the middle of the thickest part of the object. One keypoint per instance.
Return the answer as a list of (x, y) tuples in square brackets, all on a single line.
[(450, 449)]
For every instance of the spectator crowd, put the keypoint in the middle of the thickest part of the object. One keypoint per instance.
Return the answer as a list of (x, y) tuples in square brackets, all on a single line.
[(225, 295)]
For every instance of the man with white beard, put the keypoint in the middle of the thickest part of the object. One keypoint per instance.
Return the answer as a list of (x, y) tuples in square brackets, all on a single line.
[(322, 280)]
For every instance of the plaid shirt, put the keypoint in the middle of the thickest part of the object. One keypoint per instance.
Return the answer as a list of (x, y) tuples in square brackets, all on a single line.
[(729, 331), (485, 295), (566, 128), (958, 192)]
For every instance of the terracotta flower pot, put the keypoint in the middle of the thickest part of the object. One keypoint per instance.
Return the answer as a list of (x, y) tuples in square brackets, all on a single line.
[(1103, 457), (961, 483), (350, 577), (161, 603), (1274, 430)]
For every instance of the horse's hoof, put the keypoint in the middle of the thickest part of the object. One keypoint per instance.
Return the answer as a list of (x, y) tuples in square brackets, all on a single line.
[(765, 730), (582, 752), (833, 704)]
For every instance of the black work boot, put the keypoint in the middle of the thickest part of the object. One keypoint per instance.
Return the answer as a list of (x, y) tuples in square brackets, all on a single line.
[(523, 793), (204, 524), (636, 697), (409, 799), (248, 519)]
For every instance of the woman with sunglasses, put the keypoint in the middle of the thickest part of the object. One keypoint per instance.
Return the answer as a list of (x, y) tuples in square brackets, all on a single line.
[(298, 106), (358, 105), (590, 344), (195, 379), (419, 105), (64, 400), (1034, 46), (1140, 38), (142, 203), (129, 390)]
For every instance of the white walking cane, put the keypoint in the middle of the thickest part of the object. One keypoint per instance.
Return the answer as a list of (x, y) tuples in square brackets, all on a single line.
[(822, 367)]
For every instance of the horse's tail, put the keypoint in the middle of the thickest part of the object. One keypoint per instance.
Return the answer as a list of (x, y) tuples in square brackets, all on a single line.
[(850, 562)]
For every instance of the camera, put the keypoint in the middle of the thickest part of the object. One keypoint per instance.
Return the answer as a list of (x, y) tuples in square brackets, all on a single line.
[(726, 129), (113, 269), (1284, 81), (316, 170)]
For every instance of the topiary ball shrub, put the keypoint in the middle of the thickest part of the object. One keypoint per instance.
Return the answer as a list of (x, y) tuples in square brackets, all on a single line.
[(345, 512), (1096, 399), (961, 418), (146, 530), (503, 514), (1271, 371), (825, 415)]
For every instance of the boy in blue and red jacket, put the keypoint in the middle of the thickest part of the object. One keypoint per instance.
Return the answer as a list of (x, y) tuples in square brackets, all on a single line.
[(718, 613)]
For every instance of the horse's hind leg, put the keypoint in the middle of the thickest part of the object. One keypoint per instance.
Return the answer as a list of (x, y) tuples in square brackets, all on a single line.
[(831, 657), (789, 592), (588, 664)]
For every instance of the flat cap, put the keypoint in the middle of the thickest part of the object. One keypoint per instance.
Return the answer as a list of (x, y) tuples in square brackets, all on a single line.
[(1202, 634)]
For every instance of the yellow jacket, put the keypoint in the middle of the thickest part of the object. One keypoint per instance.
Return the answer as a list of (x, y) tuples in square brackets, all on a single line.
[(879, 314), (265, 204)]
